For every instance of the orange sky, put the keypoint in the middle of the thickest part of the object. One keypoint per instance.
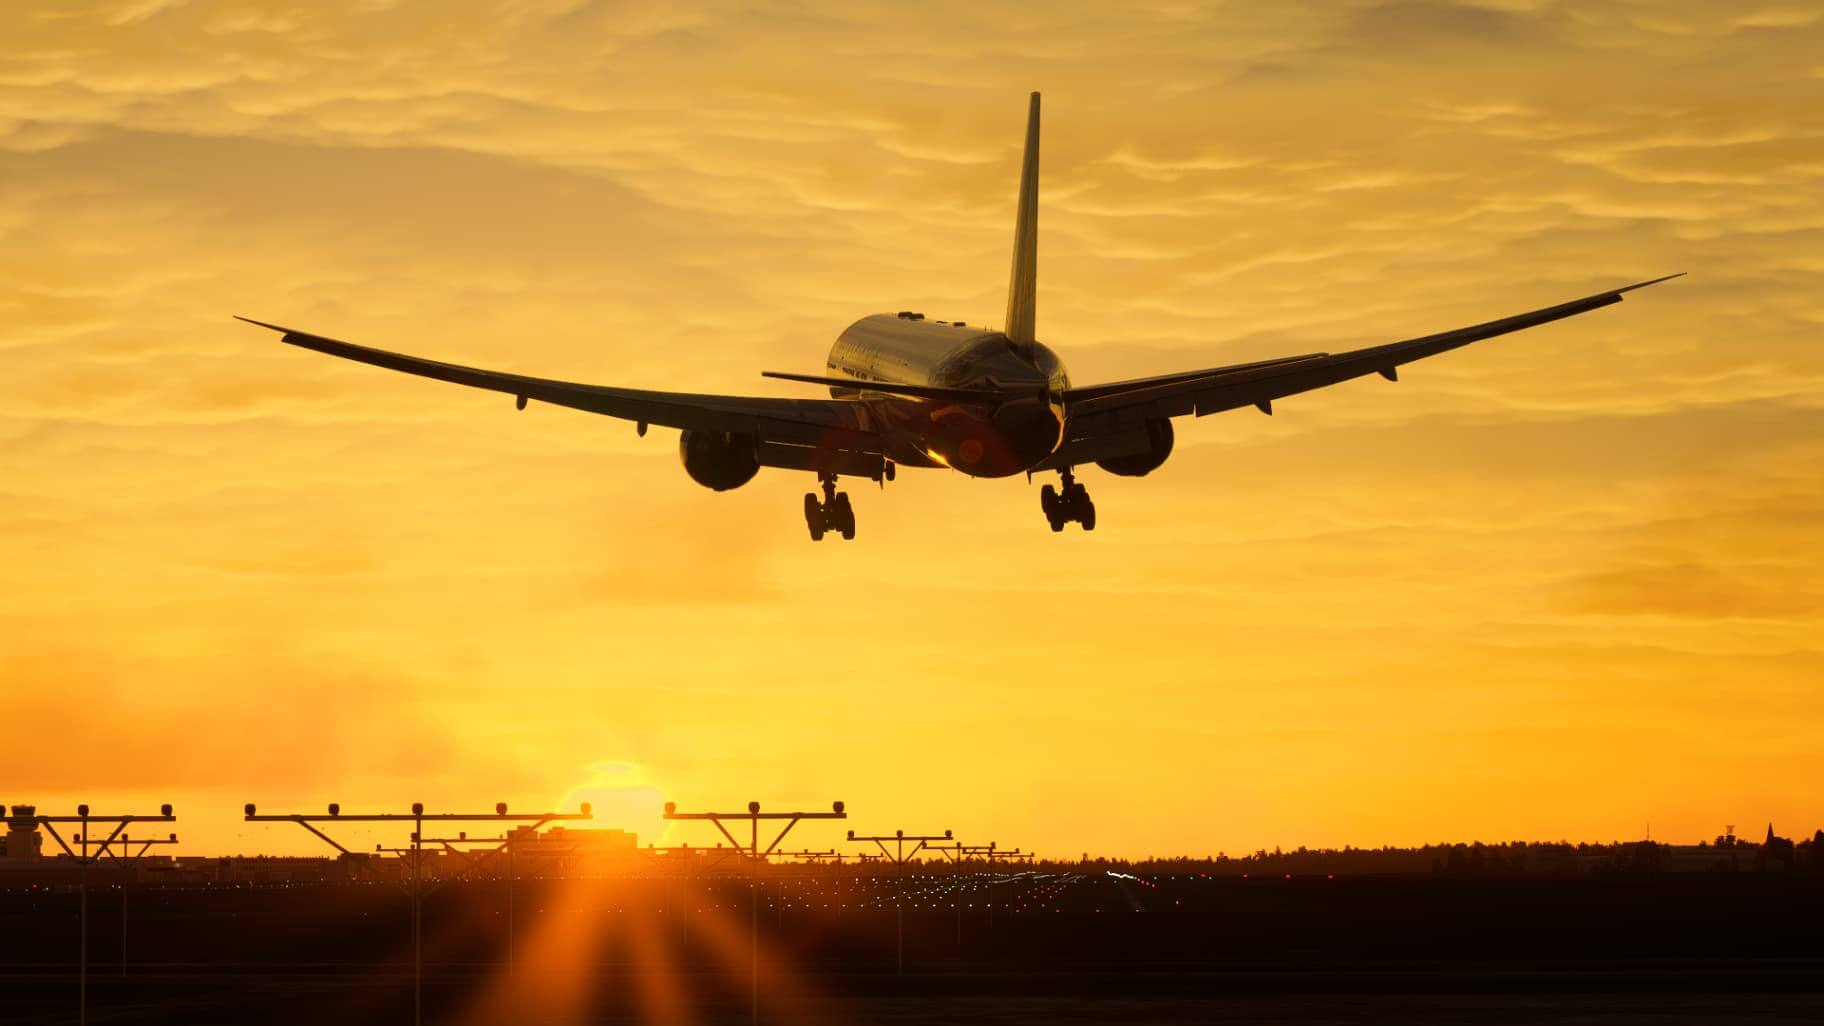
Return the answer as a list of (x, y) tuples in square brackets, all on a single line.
[(1563, 584)]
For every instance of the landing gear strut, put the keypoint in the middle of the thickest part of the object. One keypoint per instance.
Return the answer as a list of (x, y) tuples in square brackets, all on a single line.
[(833, 513), (1072, 503)]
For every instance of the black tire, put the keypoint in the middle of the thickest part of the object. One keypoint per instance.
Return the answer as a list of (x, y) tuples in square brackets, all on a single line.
[(813, 516), (845, 516), (1088, 516), (1048, 501), (1057, 523)]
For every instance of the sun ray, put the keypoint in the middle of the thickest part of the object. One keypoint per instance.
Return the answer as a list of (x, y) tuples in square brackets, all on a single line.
[(658, 987), (557, 964), (784, 994)]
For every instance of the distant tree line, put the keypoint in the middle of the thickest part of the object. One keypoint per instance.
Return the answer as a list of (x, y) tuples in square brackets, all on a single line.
[(1727, 853)]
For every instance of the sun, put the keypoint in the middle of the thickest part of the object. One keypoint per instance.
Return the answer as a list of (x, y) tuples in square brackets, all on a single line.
[(622, 799)]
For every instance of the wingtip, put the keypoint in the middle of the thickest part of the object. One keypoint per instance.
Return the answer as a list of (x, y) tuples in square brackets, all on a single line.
[(1655, 281), (262, 324)]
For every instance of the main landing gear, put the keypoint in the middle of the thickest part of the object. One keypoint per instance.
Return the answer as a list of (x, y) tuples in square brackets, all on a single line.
[(832, 514), (1072, 503)]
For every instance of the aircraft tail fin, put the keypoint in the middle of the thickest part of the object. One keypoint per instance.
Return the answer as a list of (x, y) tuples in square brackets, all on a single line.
[(1023, 284)]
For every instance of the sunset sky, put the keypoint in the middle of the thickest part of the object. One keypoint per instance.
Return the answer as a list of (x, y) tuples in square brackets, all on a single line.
[(1568, 583)]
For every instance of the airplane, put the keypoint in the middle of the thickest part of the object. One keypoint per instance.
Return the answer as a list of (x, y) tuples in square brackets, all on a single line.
[(907, 391)]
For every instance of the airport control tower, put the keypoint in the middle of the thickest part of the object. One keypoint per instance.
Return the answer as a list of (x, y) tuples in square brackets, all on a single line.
[(23, 842)]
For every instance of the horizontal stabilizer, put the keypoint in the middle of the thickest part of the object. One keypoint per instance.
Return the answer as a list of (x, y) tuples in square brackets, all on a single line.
[(967, 395)]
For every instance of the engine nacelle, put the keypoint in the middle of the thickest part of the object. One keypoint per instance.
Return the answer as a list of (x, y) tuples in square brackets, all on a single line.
[(1140, 464), (719, 459)]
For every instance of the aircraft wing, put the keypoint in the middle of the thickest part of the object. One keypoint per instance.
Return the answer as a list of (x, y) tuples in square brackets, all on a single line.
[(825, 424), (1102, 412)]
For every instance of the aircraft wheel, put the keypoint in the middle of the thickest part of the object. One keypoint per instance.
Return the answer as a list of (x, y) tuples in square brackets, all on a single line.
[(813, 516), (844, 516), (1087, 517), (1048, 501)]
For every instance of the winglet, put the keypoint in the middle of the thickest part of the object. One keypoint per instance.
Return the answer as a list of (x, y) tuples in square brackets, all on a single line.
[(1022, 286)]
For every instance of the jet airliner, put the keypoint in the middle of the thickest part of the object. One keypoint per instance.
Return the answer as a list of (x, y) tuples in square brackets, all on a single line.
[(907, 391)]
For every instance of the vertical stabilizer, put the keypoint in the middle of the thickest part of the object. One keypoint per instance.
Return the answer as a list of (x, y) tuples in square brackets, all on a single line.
[(1022, 287)]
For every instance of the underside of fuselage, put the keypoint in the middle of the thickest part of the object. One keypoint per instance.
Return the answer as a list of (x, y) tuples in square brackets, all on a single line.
[(1008, 436)]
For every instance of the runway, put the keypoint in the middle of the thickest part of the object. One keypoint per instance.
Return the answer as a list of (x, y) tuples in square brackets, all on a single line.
[(1058, 947)]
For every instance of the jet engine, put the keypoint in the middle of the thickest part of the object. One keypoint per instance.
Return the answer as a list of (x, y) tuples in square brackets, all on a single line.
[(719, 459), (1140, 464)]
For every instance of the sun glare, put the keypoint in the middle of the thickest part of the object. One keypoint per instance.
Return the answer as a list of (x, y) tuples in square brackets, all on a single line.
[(622, 799)]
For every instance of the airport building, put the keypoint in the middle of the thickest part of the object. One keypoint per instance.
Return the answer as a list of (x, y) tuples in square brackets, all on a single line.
[(23, 842)]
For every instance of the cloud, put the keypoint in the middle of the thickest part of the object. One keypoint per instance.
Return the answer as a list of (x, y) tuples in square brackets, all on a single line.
[(1422, 27), (288, 721), (1702, 592)]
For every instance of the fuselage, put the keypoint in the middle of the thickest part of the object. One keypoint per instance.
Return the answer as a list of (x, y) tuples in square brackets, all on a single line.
[(980, 439)]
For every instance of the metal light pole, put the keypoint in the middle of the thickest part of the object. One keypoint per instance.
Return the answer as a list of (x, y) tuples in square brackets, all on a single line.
[(756, 857), (417, 918), (957, 853), (145, 845), (512, 963), (417, 817), (84, 858), (478, 860), (899, 855)]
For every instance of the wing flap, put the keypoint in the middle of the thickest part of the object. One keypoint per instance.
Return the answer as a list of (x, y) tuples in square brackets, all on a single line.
[(845, 462)]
